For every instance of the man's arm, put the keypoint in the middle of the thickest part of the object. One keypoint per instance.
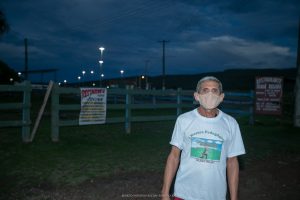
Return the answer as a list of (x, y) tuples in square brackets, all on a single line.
[(233, 177), (170, 170)]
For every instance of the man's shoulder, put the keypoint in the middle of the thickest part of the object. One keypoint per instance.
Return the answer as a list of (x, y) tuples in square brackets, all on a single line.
[(228, 117), (187, 115)]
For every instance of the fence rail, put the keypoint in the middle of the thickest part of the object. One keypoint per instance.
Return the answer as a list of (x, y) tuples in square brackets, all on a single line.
[(25, 107), (127, 100)]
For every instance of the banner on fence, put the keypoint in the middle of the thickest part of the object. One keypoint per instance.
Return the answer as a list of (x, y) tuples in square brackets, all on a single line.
[(93, 106), (268, 95)]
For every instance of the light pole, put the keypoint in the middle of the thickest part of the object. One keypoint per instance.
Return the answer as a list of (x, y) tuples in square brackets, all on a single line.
[(79, 77), (101, 77), (92, 73), (122, 72), (101, 51), (101, 63), (83, 73)]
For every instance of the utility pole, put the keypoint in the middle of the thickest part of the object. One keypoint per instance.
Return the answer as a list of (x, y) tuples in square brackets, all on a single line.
[(297, 87), (163, 64), (26, 60), (146, 74)]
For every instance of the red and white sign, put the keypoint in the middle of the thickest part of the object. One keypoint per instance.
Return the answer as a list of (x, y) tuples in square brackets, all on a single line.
[(93, 106), (268, 95)]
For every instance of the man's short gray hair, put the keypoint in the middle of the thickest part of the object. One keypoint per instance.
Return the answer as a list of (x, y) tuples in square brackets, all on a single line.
[(209, 78)]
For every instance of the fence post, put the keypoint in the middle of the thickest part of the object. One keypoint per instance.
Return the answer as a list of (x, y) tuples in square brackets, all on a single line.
[(26, 112), (128, 111), (55, 113), (154, 98), (251, 109), (179, 100)]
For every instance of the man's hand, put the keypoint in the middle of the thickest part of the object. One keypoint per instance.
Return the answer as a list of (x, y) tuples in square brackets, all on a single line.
[(165, 197)]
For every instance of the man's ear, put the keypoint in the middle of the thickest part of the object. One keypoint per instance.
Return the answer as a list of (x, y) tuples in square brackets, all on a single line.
[(196, 96), (222, 95)]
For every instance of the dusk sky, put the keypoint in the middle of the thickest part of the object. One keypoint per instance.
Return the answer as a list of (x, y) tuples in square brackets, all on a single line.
[(203, 35)]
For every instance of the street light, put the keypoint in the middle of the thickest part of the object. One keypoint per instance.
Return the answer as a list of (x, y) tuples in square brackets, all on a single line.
[(122, 72), (83, 73), (79, 77), (92, 72), (100, 62), (101, 50)]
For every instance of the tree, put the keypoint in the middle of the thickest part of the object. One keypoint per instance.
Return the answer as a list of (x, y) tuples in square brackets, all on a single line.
[(4, 27)]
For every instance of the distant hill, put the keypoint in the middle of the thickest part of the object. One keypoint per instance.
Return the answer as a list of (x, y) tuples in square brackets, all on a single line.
[(233, 79)]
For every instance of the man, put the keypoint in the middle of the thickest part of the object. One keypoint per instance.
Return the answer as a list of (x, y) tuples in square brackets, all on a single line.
[(205, 142)]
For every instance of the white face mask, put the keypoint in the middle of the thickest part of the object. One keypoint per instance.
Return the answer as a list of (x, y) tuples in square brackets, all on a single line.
[(209, 100)]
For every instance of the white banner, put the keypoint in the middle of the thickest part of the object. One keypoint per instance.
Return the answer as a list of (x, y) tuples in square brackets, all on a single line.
[(93, 106)]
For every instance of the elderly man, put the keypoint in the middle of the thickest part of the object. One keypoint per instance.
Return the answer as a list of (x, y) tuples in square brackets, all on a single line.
[(206, 143)]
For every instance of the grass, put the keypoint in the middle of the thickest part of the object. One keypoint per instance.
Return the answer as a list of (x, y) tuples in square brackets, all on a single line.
[(87, 152), (83, 153)]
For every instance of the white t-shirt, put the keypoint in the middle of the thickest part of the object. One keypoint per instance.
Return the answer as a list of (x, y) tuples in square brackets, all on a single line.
[(206, 143)]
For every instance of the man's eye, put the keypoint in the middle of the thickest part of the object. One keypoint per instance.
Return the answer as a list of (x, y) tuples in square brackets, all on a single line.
[(205, 90), (215, 91)]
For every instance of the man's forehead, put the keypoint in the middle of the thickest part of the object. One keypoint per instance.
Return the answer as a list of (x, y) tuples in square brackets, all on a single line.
[(210, 84)]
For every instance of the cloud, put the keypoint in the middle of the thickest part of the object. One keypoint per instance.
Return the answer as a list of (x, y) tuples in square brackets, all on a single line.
[(218, 53)]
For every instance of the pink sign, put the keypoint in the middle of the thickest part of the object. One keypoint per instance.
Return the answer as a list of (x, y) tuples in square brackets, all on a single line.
[(268, 92)]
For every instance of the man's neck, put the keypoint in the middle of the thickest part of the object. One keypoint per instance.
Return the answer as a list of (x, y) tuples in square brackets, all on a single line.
[(209, 113)]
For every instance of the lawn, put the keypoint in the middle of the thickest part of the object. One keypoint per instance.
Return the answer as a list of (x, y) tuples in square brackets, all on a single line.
[(100, 151)]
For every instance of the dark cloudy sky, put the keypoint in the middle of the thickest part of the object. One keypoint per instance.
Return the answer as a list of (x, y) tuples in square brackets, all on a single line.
[(203, 35)]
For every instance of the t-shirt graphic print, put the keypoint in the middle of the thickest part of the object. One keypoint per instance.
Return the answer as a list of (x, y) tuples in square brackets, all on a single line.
[(206, 150)]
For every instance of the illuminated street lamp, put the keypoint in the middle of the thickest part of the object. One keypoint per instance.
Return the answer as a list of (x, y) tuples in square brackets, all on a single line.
[(122, 73), (92, 72), (83, 73), (101, 50), (79, 77), (19, 74), (100, 62)]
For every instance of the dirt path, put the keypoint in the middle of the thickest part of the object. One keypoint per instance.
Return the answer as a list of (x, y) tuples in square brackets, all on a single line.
[(275, 179)]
